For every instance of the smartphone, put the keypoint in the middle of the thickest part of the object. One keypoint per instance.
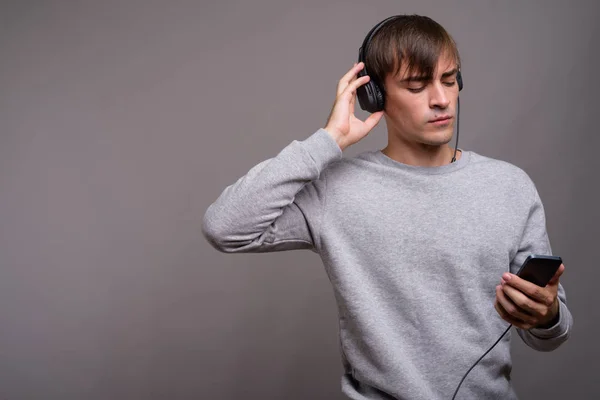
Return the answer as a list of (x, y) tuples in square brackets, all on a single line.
[(539, 269)]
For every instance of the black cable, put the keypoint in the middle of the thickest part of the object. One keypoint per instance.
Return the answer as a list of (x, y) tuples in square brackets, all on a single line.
[(507, 329), (465, 375), (457, 126)]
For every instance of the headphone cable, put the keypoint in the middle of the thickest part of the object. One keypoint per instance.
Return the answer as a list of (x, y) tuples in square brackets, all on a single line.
[(465, 375), (457, 129), (509, 326)]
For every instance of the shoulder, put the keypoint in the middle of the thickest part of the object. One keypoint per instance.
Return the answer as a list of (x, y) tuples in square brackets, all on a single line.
[(499, 171), (350, 167)]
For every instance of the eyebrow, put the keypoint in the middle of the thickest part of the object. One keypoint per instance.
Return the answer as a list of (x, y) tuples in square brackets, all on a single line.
[(425, 78)]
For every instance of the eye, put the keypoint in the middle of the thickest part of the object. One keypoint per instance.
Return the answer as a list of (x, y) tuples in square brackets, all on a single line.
[(415, 90), (449, 83)]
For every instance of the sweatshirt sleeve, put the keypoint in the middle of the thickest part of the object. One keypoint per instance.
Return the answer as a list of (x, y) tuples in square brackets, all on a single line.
[(278, 204), (535, 241)]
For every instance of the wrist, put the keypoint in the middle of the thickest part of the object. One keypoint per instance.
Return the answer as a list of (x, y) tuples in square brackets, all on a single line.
[(555, 317), (337, 136)]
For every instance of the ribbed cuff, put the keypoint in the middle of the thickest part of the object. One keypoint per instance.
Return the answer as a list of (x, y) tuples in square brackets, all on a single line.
[(557, 329), (322, 148)]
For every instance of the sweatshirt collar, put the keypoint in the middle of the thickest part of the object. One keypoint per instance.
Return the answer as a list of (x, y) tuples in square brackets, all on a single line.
[(442, 169)]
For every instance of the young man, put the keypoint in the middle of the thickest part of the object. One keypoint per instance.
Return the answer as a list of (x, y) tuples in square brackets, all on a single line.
[(421, 249)]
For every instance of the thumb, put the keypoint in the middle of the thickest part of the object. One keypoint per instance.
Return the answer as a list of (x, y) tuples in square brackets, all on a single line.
[(557, 275), (373, 119)]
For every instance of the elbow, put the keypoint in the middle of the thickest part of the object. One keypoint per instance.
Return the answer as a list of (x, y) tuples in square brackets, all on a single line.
[(221, 233), (214, 232)]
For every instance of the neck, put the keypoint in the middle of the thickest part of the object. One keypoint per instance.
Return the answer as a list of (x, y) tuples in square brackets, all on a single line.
[(420, 154)]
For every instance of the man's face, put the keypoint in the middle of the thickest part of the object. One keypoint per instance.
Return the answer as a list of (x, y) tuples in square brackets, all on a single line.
[(412, 104)]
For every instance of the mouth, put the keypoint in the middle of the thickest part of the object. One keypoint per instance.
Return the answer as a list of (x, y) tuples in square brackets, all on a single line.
[(442, 118)]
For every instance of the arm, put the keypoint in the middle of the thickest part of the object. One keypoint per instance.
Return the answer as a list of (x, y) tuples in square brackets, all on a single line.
[(547, 320), (277, 204)]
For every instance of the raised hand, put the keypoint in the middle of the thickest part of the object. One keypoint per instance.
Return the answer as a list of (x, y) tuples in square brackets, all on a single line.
[(342, 124)]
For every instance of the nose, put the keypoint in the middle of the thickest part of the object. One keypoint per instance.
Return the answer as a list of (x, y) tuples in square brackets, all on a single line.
[(438, 96)]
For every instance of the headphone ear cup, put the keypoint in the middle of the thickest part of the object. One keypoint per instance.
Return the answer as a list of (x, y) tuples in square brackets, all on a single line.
[(459, 80), (369, 95), (380, 98)]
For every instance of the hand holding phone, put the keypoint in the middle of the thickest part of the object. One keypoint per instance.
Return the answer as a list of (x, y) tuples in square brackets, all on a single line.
[(539, 269), (524, 306)]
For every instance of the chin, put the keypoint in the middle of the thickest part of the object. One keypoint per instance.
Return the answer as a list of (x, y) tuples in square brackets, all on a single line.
[(435, 143), (437, 138)]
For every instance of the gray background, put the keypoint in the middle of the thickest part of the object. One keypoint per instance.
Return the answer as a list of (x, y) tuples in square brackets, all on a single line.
[(121, 121)]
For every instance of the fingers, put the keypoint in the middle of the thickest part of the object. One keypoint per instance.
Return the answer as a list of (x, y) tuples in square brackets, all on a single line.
[(353, 100), (509, 311), (350, 76), (508, 318), (532, 290), (373, 119), (352, 86), (523, 302)]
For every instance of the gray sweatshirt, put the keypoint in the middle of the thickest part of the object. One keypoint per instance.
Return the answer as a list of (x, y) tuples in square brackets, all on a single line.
[(413, 255)]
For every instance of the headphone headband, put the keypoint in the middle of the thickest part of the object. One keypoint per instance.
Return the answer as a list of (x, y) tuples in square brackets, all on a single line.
[(371, 33)]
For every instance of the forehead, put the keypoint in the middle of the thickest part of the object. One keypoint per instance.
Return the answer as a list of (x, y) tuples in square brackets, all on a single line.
[(445, 62)]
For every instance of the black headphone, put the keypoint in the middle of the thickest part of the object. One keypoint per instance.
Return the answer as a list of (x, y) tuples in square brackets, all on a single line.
[(370, 95)]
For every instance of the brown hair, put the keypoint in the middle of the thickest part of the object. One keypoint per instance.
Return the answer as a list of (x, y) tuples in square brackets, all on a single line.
[(414, 40)]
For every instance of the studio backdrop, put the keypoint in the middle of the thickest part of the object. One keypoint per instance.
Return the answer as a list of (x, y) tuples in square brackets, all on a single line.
[(122, 121)]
